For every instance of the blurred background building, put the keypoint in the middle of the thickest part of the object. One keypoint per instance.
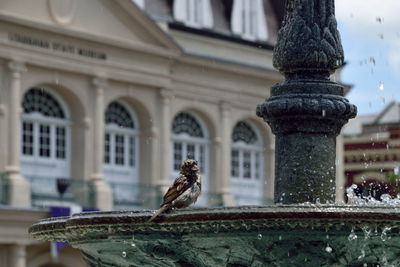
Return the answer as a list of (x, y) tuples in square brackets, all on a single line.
[(372, 152), (100, 101)]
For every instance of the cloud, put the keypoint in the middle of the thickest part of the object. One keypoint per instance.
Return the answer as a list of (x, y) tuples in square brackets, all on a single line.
[(376, 20)]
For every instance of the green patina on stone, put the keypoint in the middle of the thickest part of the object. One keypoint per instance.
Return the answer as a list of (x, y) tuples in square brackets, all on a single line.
[(281, 235)]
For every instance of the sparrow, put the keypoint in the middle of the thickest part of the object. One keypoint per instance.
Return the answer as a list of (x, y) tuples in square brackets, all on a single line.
[(185, 190)]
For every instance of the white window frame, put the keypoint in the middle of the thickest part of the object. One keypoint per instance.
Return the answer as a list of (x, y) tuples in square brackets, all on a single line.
[(248, 190), (118, 173), (248, 20), (185, 139), (39, 169), (37, 119), (193, 13)]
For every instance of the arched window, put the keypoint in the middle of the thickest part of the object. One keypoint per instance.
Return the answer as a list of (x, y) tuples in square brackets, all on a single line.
[(246, 164), (189, 141), (45, 139), (248, 19), (194, 13), (120, 151)]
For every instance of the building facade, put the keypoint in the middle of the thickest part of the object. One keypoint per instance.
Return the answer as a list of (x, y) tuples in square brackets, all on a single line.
[(100, 101)]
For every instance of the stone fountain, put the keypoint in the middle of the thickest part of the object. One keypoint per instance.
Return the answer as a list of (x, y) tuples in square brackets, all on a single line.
[(306, 113)]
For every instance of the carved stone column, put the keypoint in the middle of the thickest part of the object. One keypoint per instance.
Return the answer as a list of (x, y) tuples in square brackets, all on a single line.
[(18, 189), (101, 193), (307, 110)]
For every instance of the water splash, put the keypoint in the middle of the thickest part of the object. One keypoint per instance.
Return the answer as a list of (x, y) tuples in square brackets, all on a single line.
[(381, 86), (352, 235), (328, 249), (361, 200)]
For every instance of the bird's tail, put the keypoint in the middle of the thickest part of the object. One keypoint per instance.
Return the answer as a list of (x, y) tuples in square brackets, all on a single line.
[(159, 211)]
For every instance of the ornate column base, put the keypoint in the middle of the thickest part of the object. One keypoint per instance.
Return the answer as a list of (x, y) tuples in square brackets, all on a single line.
[(16, 190), (101, 195), (95, 193), (306, 116)]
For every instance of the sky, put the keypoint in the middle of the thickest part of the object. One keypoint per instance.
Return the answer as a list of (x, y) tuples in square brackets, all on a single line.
[(370, 32)]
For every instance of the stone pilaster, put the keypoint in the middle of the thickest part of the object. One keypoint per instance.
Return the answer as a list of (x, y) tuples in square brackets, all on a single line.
[(100, 190), (18, 255), (150, 193), (165, 140), (307, 110), (17, 187), (224, 160)]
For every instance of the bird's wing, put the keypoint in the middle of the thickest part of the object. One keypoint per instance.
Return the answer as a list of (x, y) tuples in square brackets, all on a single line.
[(180, 185)]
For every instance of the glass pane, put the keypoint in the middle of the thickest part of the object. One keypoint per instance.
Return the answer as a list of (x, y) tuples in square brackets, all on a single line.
[(235, 163), (258, 165), (107, 148), (118, 114), (177, 155), (132, 148), (44, 141), (60, 142), (27, 138), (38, 100), (202, 161), (246, 164), (190, 151), (119, 149)]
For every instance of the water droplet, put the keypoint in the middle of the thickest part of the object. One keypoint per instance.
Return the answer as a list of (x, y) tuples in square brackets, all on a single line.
[(352, 235), (259, 236), (381, 86), (328, 249), (280, 237), (384, 235), (124, 254), (323, 113), (362, 254)]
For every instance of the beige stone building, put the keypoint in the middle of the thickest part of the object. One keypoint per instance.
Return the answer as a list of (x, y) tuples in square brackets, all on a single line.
[(101, 100)]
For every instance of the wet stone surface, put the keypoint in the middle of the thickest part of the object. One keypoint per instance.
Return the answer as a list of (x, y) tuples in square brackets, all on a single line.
[(282, 235)]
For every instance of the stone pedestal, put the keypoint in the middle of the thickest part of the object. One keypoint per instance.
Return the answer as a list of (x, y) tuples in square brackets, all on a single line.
[(307, 110)]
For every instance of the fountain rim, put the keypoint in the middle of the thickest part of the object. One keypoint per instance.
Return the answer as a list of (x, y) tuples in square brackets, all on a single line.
[(86, 225)]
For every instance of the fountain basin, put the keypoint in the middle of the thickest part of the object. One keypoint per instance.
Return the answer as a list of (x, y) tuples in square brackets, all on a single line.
[(316, 235)]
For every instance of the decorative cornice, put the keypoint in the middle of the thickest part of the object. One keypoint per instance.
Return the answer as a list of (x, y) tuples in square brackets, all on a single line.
[(166, 93), (17, 66), (225, 106), (100, 82)]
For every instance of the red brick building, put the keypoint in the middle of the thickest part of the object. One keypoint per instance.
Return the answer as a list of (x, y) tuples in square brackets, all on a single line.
[(372, 152)]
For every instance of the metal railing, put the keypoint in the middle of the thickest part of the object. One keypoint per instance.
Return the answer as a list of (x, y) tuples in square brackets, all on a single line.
[(52, 191), (134, 196)]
